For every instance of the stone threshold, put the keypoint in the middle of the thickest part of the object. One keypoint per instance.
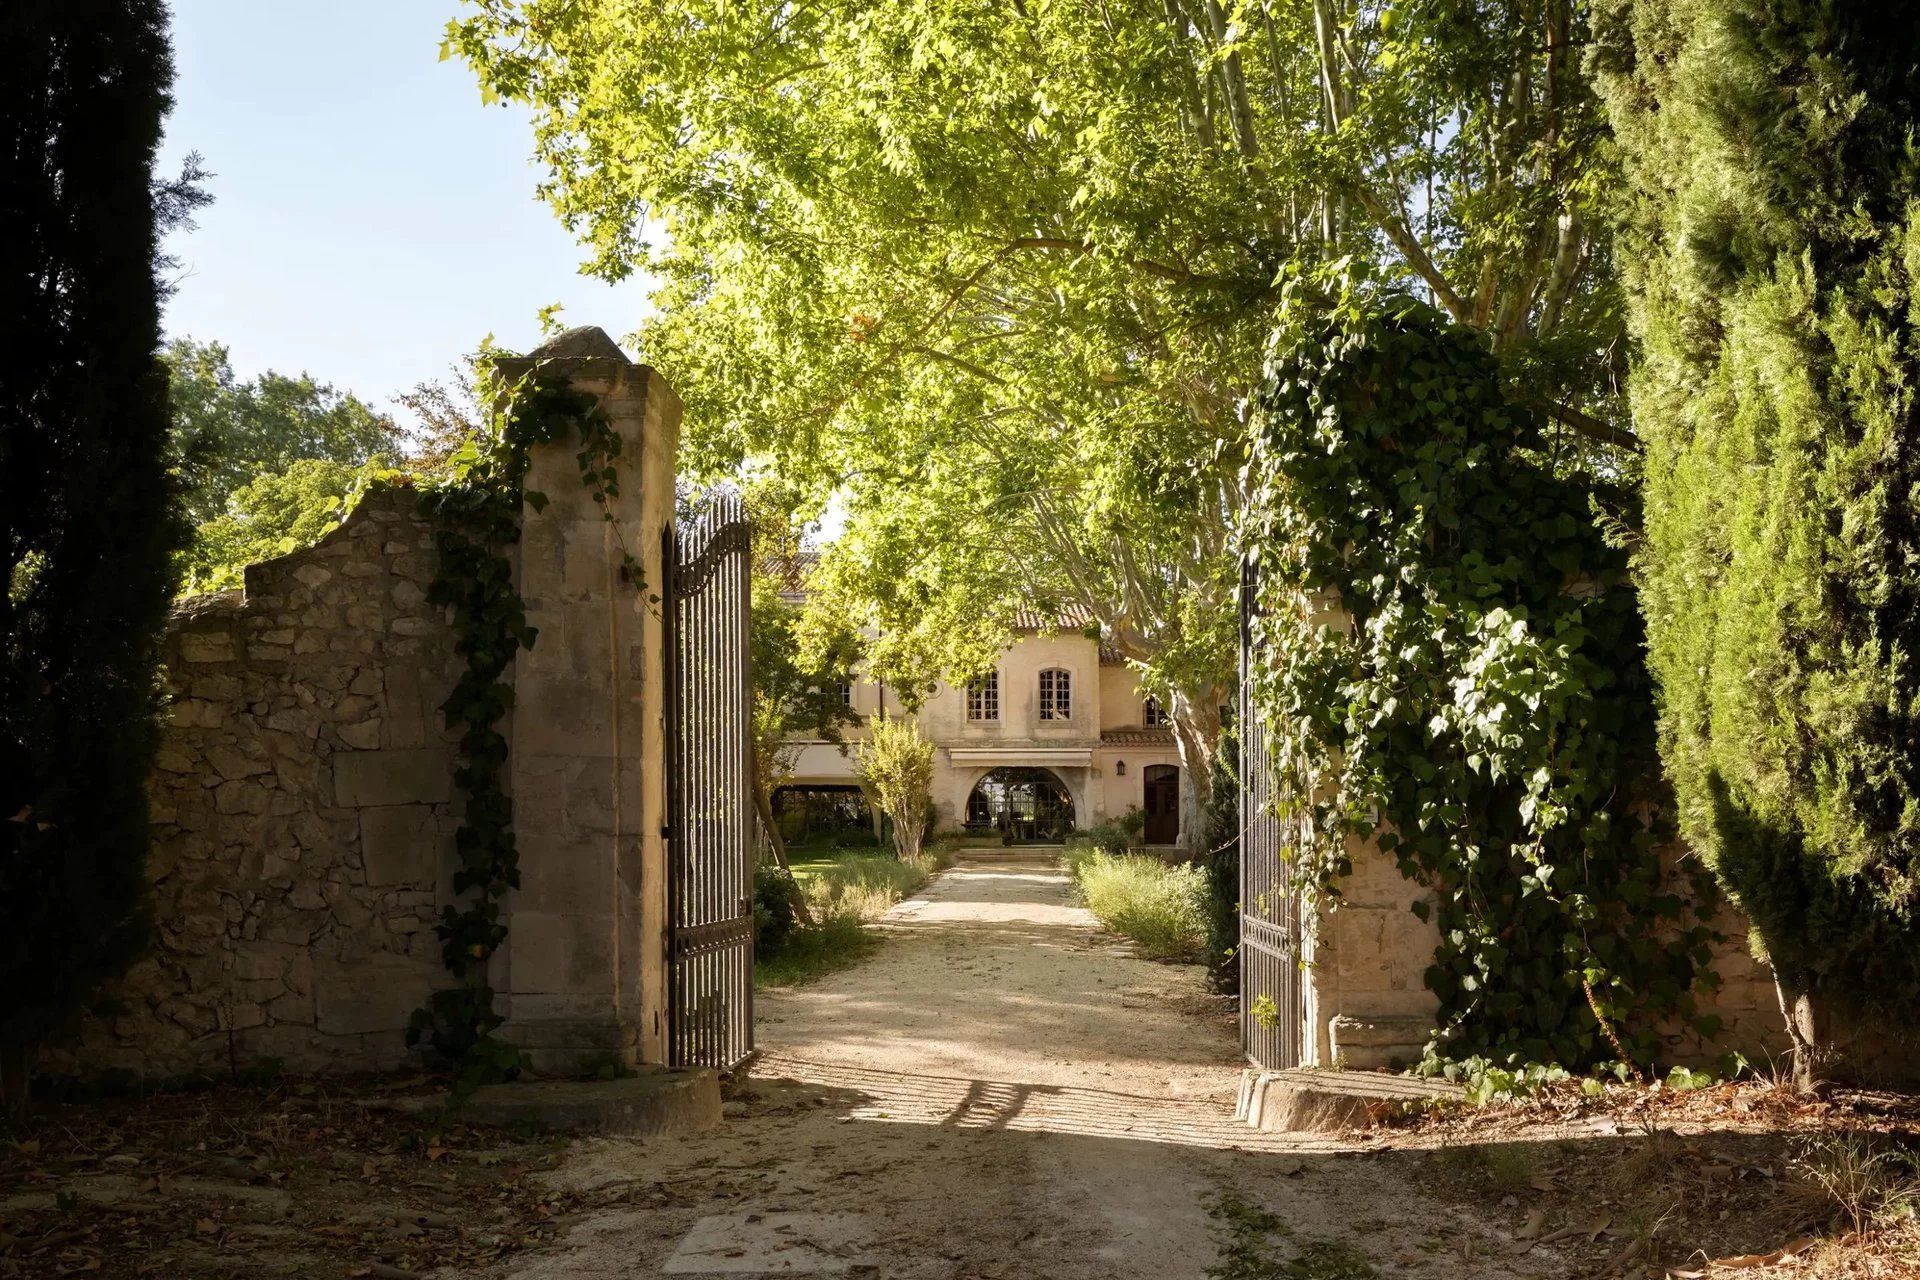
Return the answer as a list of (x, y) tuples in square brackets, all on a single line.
[(1324, 1100)]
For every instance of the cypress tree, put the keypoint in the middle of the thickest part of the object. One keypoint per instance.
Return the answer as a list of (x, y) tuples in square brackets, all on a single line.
[(86, 508), (1770, 150)]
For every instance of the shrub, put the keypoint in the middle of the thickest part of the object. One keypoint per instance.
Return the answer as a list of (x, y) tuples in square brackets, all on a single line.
[(773, 915), (865, 887), (1158, 907), (834, 941), (1220, 866), (1769, 150)]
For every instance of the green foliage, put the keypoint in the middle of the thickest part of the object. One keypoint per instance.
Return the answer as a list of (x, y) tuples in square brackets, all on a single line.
[(1490, 1083), (866, 886), (836, 941), (1479, 713), (228, 433), (773, 915), (796, 679), (476, 518), (895, 764), (1774, 244), (1219, 863), (1157, 906), (1108, 837), (1253, 1242), (88, 516), (278, 513), (996, 279)]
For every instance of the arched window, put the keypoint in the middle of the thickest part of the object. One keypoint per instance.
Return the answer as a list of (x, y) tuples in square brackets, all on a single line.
[(1021, 804), (1056, 695), (1154, 716), (983, 698)]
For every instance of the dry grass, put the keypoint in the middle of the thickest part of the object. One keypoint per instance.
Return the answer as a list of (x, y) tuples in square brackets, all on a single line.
[(1159, 907), (1722, 1182)]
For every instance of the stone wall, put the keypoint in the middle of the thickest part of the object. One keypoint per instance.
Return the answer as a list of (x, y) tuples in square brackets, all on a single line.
[(304, 803), (1367, 1004), (303, 811)]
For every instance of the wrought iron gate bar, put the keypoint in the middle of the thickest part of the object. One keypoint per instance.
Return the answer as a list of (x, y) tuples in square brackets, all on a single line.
[(1272, 1002), (702, 938), (711, 824)]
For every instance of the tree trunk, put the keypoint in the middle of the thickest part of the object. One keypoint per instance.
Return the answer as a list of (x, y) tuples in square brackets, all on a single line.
[(779, 848), (1196, 735), (1804, 1029), (908, 832), (16, 1075)]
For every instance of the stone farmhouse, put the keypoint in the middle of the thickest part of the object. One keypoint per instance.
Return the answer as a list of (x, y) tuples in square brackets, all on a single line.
[(1059, 737)]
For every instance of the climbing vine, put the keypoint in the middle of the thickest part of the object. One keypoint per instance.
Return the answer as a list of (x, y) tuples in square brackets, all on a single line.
[(1457, 674), (476, 518)]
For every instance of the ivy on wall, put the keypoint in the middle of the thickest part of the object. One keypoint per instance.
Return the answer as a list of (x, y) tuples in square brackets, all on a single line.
[(1456, 673), (476, 517)]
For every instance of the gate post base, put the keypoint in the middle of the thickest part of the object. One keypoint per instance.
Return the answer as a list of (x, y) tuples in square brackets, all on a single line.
[(559, 1041)]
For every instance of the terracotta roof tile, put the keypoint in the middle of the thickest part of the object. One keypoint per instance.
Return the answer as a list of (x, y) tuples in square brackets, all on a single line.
[(1067, 618), (1136, 738)]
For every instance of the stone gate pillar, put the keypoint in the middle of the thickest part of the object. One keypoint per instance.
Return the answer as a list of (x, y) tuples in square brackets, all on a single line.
[(583, 968)]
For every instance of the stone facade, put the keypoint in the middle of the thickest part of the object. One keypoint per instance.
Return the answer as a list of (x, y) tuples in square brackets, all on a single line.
[(1101, 752), (304, 801)]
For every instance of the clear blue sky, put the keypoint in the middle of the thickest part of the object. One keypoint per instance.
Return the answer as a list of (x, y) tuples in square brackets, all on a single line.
[(372, 220)]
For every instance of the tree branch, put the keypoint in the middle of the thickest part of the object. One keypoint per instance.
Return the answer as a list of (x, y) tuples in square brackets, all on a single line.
[(1589, 426)]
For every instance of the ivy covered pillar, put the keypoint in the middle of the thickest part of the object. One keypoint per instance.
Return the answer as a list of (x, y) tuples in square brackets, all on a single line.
[(582, 970)]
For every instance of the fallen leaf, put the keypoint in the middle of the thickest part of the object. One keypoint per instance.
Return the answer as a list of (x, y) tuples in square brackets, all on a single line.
[(1785, 1253), (205, 1226)]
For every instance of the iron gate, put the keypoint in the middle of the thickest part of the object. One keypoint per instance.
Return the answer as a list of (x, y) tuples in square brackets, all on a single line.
[(1272, 1019), (711, 824)]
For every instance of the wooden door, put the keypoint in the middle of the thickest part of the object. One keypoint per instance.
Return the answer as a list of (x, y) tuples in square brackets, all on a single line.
[(1162, 803)]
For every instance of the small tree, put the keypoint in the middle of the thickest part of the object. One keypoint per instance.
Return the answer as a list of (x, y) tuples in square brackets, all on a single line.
[(896, 771)]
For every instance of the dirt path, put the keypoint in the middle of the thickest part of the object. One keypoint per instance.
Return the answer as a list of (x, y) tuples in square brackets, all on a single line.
[(1000, 1091)]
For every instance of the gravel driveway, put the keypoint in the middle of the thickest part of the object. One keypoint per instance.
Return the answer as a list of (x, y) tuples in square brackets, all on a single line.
[(999, 1091)]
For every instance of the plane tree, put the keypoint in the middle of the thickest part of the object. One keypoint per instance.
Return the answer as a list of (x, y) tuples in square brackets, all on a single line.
[(995, 280)]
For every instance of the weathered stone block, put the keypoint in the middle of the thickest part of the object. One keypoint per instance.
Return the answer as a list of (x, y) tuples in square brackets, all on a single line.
[(392, 776), (377, 994), (402, 844), (364, 736), (207, 646)]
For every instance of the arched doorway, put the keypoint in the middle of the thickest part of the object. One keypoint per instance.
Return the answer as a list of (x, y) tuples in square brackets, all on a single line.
[(1161, 801), (1021, 805)]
